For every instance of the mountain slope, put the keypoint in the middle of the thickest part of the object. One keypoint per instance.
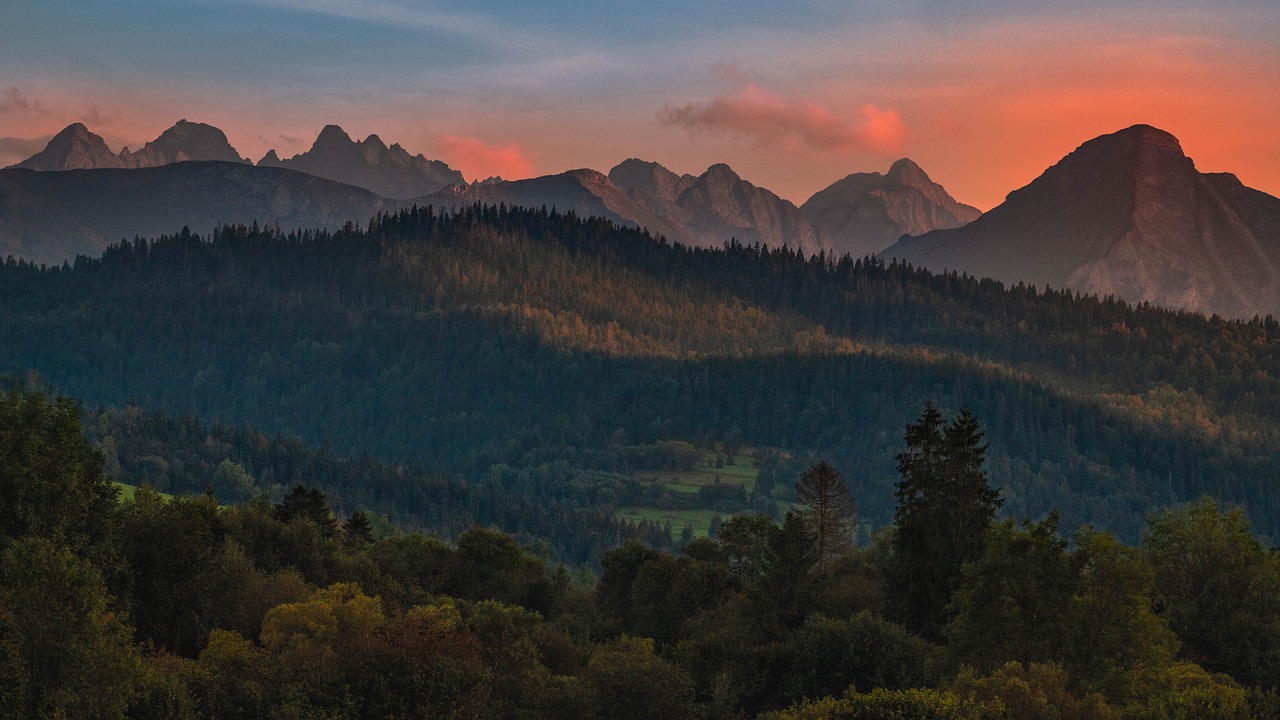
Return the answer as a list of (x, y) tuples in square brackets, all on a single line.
[(865, 213), (388, 171), (515, 344), (50, 217), (1126, 214)]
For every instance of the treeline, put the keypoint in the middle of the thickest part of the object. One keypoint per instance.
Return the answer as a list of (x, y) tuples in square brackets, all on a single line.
[(531, 341), (569, 512), (181, 609)]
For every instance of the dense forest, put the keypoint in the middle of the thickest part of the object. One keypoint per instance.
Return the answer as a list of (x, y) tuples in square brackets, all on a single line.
[(533, 370), (177, 608)]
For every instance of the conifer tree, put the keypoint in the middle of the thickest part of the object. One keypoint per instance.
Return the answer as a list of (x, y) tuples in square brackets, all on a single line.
[(944, 507), (830, 509)]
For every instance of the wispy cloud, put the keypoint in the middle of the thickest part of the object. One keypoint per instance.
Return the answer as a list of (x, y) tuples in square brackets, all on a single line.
[(16, 101), (789, 123), (479, 160), (417, 15), (94, 116)]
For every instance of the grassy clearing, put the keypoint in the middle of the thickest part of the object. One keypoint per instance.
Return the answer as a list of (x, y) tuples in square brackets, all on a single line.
[(743, 472), (128, 491), (699, 520)]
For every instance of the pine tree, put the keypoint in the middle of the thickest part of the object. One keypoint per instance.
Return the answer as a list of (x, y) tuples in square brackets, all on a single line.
[(944, 507)]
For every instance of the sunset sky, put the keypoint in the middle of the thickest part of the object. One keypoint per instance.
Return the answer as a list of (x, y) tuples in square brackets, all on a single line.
[(983, 95)]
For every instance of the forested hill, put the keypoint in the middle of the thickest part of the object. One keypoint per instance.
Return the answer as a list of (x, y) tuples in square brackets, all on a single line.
[(512, 345)]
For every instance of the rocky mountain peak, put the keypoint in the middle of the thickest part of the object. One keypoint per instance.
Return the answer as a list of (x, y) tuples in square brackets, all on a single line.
[(332, 135), (866, 212), (184, 141), (649, 178), (906, 172), (74, 148)]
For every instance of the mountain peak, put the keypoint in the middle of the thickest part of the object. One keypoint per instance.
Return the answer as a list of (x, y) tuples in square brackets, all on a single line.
[(1148, 134), (906, 172), (370, 164), (74, 148), (75, 129), (184, 141), (866, 212), (722, 170), (331, 135)]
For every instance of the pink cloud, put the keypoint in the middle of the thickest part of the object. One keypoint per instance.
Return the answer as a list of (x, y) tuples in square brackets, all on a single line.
[(792, 124), (477, 160)]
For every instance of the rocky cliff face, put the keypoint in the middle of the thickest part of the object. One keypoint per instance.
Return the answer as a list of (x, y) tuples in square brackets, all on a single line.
[(865, 213), (388, 171), (1126, 214)]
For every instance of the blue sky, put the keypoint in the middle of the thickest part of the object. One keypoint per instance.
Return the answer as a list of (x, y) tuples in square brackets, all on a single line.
[(794, 96)]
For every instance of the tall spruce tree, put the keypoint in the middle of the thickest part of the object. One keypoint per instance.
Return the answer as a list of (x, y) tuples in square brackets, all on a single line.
[(944, 507)]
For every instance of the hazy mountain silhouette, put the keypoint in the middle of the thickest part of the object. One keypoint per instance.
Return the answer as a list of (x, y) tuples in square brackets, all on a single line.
[(865, 213), (76, 148), (53, 216), (1126, 214), (388, 171)]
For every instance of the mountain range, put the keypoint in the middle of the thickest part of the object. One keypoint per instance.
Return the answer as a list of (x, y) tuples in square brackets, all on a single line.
[(859, 215), (388, 171), (1126, 214)]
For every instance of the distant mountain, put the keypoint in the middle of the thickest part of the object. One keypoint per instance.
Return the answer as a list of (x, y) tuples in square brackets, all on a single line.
[(716, 206), (585, 192), (184, 141), (1126, 214), (704, 211), (53, 216), (653, 186), (865, 213), (388, 171), (76, 148), (720, 205)]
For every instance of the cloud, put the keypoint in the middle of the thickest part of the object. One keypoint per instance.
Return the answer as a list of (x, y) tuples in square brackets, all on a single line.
[(478, 160), (15, 150), (733, 72), (93, 116), (792, 124), (15, 100)]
